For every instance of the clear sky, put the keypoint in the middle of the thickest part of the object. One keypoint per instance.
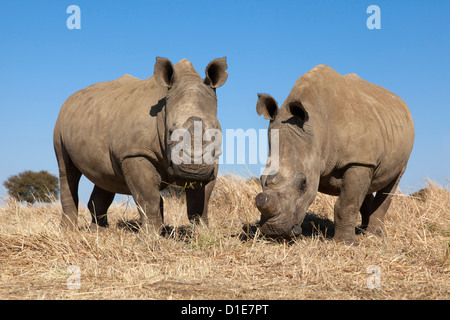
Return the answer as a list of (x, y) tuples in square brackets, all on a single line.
[(269, 45)]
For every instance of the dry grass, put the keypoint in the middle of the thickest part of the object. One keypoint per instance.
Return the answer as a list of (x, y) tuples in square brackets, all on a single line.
[(215, 263)]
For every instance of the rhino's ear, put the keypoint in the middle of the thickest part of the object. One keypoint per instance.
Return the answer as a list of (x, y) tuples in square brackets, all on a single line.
[(164, 72), (297, 109), (267, 106), (215, 72)]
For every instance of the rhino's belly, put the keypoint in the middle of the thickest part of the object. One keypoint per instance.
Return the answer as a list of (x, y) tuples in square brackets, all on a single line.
[(99, 167), (109, 183), (331, 184)]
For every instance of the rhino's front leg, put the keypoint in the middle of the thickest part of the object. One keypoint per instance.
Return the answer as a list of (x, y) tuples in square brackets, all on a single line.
[(355, 184), (197, 202), (143, 180)]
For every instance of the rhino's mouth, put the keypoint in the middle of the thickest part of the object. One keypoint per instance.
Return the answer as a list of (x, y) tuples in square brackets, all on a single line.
[(192, 172), (277, 221), (279, 228)]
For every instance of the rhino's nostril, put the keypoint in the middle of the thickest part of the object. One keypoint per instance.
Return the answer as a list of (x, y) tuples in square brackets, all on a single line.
[(261, 200), (266, 204)]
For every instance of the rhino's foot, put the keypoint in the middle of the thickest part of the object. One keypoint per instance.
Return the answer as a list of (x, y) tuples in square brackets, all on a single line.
[(347, 241), (378, 231), (198, 220), (345, 237), (133, 225), (94, 228), (150, 228), (180, 233)]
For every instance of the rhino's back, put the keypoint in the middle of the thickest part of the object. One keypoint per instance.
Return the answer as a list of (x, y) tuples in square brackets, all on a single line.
[(364, 123), (103, 123)]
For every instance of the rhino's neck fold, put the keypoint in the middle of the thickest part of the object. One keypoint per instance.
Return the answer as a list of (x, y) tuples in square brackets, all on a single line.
[(161, 129)]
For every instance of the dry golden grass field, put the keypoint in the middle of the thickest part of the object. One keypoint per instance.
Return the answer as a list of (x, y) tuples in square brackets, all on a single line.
[(39, 261)]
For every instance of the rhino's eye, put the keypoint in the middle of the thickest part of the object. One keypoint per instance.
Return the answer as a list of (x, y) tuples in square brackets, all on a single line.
[(303, 184)]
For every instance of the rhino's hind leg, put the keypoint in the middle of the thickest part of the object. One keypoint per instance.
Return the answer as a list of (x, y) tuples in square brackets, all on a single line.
[(355, 183), (98, 205), (374, 209), (69, 177), (366, 211), (143, 181), (197, 203)]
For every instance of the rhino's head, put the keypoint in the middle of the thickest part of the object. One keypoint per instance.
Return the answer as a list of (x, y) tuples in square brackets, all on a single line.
[(290, 181), (192, 130)]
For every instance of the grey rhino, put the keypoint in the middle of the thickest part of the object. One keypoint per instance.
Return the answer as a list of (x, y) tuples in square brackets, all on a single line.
[(117, 134), (339, 135)]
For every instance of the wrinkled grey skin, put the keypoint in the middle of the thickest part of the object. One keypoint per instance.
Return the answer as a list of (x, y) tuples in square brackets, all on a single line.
[(117, 133), (339, 135)]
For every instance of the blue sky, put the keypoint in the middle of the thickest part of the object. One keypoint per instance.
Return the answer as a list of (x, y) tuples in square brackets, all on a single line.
[(269, 45)]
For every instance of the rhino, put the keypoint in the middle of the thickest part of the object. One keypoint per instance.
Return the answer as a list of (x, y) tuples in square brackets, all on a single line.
[(119, 135), (339, 135)]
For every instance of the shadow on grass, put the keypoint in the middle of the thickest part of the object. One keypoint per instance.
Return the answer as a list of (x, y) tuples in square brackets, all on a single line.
[(313, 225), (181, 233)]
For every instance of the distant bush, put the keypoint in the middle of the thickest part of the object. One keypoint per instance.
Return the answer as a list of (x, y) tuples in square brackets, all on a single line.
[(33, 187)]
